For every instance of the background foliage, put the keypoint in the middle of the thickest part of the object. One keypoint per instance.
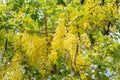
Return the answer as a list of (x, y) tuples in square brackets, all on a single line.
[(59, 39)]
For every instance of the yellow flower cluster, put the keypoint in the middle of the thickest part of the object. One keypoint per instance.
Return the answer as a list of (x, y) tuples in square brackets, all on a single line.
[(85, 40)]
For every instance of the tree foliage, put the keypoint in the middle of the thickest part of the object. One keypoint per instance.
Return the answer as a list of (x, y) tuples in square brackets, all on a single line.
[(59, 39)]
